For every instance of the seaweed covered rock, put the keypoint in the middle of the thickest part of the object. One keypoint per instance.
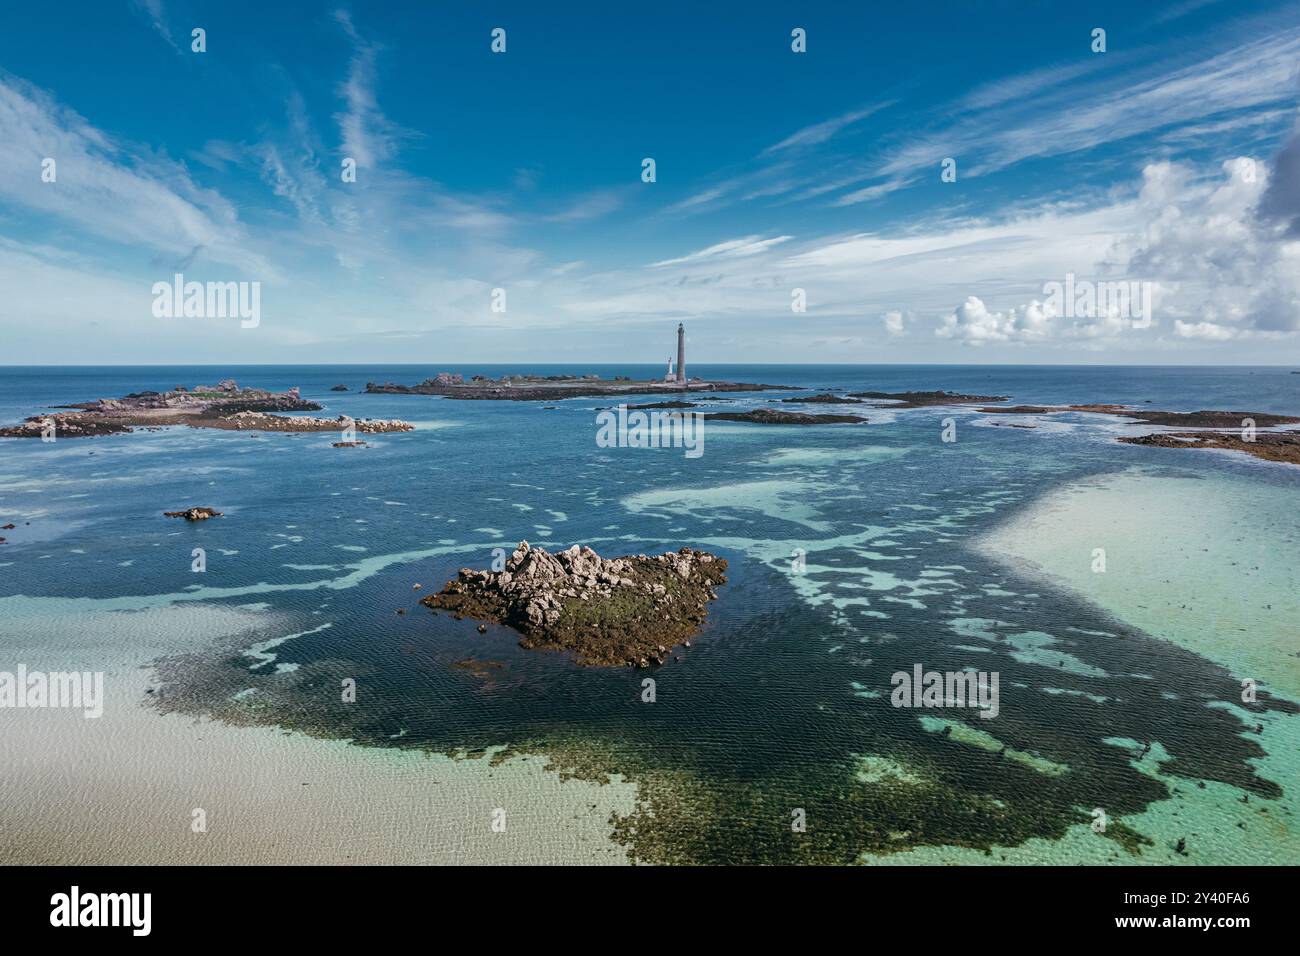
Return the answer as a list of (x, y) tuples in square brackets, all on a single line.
[(609, 612)]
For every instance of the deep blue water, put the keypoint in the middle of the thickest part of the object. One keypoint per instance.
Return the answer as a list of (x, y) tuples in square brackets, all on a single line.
[(1178, 388), (769, 705)]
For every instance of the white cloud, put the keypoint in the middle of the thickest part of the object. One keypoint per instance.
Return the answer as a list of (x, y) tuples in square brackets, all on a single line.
[(368, 136), (154, 11), (1117, 106), (731, 249), (973, 322), (1225, 265), (113, 189), (821, 132), (1203, 330)]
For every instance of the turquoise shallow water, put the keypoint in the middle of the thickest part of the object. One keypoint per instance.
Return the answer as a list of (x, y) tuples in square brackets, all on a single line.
[(783, 703)]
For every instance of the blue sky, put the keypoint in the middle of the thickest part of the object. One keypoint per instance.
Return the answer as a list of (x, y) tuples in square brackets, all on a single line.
[(1172, 159)]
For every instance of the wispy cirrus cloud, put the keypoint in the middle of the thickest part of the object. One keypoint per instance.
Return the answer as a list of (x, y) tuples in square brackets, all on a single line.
[(155, 13), (110, 188), (731, 249), (1113, 107), (819, 133), (368, 136)]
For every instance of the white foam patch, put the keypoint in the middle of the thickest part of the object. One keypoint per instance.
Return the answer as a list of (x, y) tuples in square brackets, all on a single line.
[(785, 500), (259, 652)]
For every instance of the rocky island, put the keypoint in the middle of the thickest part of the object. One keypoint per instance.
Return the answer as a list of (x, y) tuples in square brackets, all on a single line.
[(1281, 446), (225, 405), (823, 399), (549, 388), (771, 416), (194, 514), (926, 399), (1270, 446), (262, 422), (609, 612)]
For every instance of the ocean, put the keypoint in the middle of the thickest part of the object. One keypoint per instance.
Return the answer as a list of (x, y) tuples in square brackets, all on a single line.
[(855, 553)]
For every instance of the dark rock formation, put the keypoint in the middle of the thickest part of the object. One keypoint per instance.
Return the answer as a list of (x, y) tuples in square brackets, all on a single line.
[(926, 399), (824, 400), (1270, 446), (609, 612), (768, 416), (193, 514), (339, 388), (1206, 419), (1201, 419)]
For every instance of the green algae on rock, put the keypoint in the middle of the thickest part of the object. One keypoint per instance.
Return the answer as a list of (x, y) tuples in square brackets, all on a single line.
[(620, 611)]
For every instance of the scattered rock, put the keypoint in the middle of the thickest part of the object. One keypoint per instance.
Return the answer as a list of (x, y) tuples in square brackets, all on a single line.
[(260, 421), (193, 514)]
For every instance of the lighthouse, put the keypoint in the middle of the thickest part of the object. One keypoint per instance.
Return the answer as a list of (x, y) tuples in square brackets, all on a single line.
[(681, 354)]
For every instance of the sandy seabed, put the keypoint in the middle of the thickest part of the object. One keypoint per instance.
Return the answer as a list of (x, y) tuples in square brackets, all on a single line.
[(123, 788)]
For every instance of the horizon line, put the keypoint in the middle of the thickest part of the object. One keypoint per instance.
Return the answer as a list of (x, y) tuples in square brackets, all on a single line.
[(453, 364)]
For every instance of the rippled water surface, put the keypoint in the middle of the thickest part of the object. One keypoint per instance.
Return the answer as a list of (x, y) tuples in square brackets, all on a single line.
[(854, 551)]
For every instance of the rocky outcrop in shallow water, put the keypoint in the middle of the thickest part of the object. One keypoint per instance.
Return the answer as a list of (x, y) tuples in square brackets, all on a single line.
[(1270, 446), (258, 421), (194, 514), (626, 611), (825, 399), (927, 399), (203, 406), (769, 416)]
